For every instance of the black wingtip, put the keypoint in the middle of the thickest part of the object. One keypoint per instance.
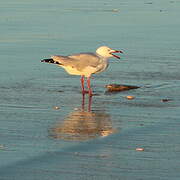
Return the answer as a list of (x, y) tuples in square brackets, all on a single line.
[(51, 61), (48, 60)]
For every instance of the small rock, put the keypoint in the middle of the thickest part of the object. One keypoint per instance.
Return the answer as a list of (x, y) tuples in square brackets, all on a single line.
[(162, 10), (130, 97), (148, 3), (139, 149), (165, 100), (1, 146), (56, 107), (115, 10)]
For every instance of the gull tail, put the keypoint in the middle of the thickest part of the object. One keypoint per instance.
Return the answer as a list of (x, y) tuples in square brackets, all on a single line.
[(51, 61)]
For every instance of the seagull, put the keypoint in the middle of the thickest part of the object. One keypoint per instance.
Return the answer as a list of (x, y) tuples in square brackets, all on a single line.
[(85, 64)]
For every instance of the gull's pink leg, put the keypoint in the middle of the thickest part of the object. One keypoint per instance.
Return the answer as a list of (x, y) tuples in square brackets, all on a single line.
[(89, 86), (82, 85)]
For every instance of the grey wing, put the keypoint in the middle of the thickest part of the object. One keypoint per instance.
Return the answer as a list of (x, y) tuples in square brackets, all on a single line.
[(84, 60), (63, 60)]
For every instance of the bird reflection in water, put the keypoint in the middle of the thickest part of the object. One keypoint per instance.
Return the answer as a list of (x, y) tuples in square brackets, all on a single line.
[(83, 124)]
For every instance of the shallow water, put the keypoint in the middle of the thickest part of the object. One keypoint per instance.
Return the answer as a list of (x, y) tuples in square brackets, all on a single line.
[(98, 139)]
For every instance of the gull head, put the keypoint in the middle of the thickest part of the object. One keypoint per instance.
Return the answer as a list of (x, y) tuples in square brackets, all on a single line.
[(107, 52)]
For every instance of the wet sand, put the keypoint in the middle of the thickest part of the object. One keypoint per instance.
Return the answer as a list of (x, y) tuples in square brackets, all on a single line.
[(89, 138)]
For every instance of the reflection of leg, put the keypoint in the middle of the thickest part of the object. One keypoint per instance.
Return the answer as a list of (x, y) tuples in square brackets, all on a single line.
[(89, 103), (83, 101), (89, 86)]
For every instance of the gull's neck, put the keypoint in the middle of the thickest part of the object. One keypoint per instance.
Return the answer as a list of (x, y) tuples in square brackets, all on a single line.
[(102, 57)]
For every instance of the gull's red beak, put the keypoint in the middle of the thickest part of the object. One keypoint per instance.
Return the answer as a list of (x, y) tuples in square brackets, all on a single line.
[(115, 51)]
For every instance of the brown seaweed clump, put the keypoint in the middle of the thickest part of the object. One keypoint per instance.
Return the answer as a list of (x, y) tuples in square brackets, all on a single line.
[(119, 87)]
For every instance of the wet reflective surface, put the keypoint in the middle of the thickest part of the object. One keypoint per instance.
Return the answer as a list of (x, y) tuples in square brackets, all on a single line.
[(97, 138), (83, 124)]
